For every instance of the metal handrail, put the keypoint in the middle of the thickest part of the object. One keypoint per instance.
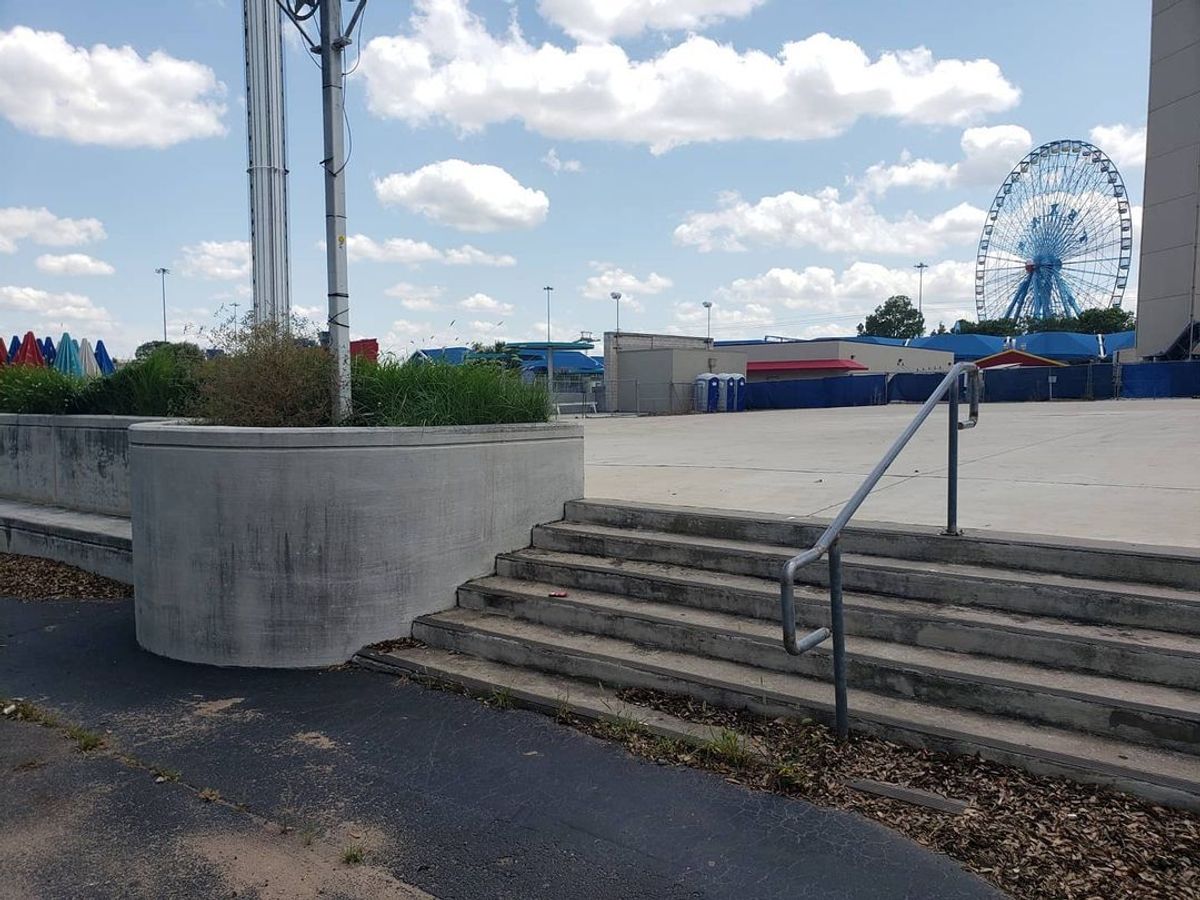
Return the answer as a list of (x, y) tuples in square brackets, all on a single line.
[(828, 541)]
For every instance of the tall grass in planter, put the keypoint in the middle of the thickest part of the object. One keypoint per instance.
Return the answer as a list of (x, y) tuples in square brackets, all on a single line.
[(164, 383), (32, 389), (417, 393)]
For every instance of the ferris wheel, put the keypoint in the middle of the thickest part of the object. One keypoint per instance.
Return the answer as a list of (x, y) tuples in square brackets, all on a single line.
[(1058, 238)]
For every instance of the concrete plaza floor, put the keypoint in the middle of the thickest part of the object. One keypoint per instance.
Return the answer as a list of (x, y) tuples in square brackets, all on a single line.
[(1118, 470)]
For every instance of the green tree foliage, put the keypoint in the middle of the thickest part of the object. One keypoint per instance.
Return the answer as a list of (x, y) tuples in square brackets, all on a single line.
[(1109, 320), (997, 327), (896, 318)]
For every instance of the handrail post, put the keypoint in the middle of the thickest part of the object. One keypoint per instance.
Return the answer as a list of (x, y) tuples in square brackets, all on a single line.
[(952, 464), (838, 625)]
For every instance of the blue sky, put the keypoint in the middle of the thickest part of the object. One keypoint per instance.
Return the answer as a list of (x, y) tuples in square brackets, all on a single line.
[(787, 159)]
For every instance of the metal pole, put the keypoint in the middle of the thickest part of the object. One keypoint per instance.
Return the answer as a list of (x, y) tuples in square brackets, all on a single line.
[(952, 463), (163, 272), (838, 625), (920, 267), (549, 349), (333, 100)]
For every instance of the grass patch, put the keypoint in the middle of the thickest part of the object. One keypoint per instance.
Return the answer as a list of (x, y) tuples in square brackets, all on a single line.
[(24, 711), (353, 855), (501, 698), (209, 795), (729, 746), (84, 739), (165, 772)]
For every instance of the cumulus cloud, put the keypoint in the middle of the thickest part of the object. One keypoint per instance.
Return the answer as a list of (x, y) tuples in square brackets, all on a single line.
[(73, 264), (413, 253), (415, 297), (552, 162), (609, 278), (827, 222), (111, 96), (468, 196), (818, 301), (989, 154), (45, 311), (447, 67), (43, 227), (1125, 144), (601, 20), (225, 260), (484, 303)]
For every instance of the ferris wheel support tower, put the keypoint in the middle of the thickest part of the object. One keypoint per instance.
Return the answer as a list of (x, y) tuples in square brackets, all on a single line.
[(267, 140)]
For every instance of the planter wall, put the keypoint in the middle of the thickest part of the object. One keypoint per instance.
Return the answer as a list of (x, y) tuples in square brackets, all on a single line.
[(73, 462), (297, 547)]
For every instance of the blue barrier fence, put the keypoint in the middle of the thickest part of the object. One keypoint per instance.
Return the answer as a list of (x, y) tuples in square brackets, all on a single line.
[(1100, 381), (818, 393)]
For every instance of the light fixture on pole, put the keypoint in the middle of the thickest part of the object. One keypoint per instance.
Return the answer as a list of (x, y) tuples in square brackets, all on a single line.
[(549, 349), (163, 272), (616, 295), (920, 267), (707, 304)]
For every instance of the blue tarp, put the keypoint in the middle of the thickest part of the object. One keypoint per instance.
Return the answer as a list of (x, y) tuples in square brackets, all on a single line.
[(1161, 379), (913, 387), (965, 347), (814, 393), (1091, 382), (1063, 346), (1122, 340)]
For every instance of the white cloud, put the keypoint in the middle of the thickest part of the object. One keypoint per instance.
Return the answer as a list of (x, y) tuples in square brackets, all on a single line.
[(556, 165), (988, 156), (449, 68), (111, 96), (73, 264), (225, 260), (415, 297), (609, 278), (43, 227), (600, 20), (819, 302), (468, 196), (45, 311), (827, 222), (413, 253), (484, 303), (1124, 144)]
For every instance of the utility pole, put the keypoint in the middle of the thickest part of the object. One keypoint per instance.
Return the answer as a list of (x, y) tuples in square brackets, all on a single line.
[(333, 43), (549, 349), (163, 272), (920, 267)]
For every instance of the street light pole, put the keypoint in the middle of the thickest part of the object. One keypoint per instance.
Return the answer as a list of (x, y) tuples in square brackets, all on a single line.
[(163, 272), (549, 349), (920, 267), (616, 295), (707, 304)]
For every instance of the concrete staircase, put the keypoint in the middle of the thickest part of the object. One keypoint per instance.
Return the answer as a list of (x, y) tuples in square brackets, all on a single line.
[(1063, 657)]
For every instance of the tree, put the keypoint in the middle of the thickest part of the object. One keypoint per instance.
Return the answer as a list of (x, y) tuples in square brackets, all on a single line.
[(144, 350), (1108, 320), (997, 327), (896, 318)]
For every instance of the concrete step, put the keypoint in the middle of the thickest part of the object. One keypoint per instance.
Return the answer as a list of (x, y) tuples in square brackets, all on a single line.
[(1154, 657), (1161, 776), (531, 689), (1067, 597), (1153, 715), (1111, 560)]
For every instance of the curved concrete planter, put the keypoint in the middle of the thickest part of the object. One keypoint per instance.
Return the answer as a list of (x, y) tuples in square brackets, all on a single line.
[(295, 547)]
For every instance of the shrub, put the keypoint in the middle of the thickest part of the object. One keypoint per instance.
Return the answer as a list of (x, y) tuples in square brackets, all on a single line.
[(417, 393), (268, 379), (164, 383), (32, 389)]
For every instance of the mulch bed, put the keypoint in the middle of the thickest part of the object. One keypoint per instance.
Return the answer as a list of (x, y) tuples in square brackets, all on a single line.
[(1032, 836), (32, 578)]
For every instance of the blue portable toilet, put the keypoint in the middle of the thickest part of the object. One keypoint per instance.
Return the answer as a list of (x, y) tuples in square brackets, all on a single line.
[(707, 389), (727, 398), (740, 382)]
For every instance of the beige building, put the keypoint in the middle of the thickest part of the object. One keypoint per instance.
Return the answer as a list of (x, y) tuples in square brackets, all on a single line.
[(1168, 283), (785, 360), (662, 380)]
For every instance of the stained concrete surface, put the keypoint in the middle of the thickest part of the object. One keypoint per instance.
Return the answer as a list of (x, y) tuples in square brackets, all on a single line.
[(1115, 470), (449, 796)]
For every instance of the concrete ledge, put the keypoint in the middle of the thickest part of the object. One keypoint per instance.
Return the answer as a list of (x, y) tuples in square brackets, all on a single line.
[(73, 462), (98, 544), (297, 547)]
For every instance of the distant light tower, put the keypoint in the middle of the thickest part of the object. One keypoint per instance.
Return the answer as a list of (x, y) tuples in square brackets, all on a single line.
[(920, 267), (549, 350), (163, 272), (616, 295), (708, 305)]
